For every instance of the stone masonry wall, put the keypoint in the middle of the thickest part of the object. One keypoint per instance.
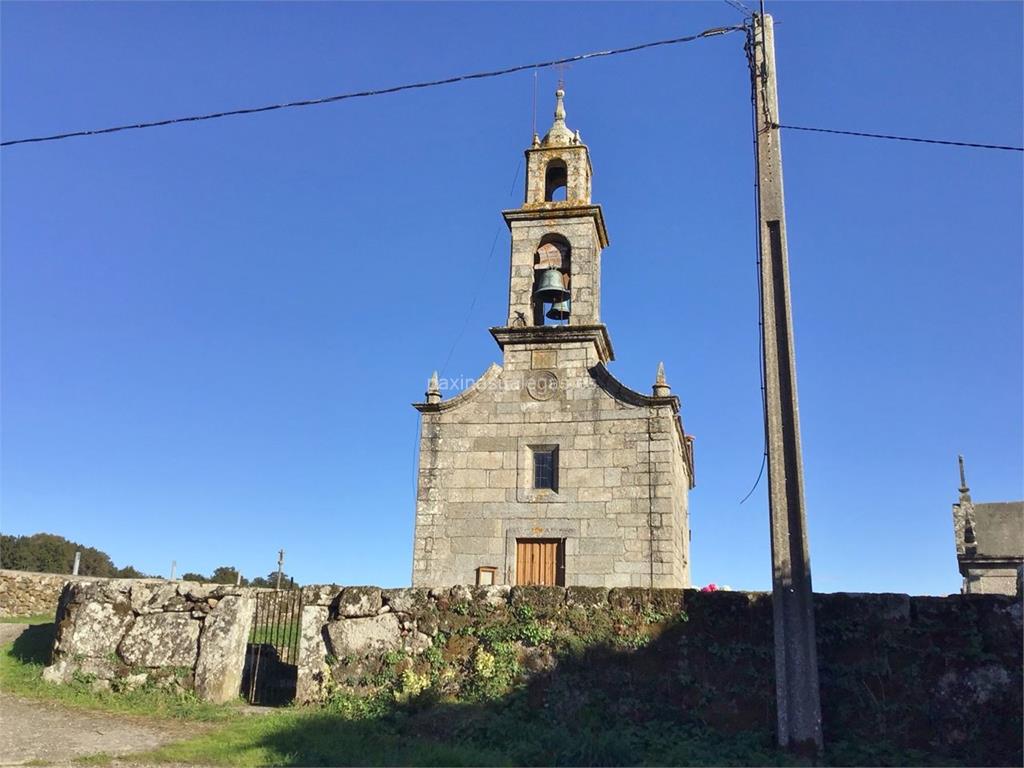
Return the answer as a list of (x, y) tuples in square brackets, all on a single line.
[(122, 633), (26, 593), (937, 675), (993, 581)]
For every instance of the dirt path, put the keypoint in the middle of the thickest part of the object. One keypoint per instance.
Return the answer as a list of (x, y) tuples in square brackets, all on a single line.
[(43, 731), (11, 632)]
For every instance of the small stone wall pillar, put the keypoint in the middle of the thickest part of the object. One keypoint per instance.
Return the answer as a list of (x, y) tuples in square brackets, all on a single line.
[(222, 650), (313, 671)]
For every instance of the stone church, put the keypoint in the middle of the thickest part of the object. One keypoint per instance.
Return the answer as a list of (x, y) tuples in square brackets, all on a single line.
[(548, 470)]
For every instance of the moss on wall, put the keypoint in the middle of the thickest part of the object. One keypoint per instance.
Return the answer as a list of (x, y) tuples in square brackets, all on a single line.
[(922, 679)]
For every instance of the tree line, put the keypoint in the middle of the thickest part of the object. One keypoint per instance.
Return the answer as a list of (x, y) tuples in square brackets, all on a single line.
[(227, 574), (50, 553)]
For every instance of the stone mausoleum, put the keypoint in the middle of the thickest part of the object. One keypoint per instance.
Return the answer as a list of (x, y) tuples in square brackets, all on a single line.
[(548, 470), (989, 543)]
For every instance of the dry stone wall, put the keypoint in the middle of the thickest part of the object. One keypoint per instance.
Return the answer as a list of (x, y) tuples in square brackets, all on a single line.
[(935, 675), (24, 593), (123, 633)]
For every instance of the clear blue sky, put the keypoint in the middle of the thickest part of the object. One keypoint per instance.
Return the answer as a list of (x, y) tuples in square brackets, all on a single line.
[(212, 332)]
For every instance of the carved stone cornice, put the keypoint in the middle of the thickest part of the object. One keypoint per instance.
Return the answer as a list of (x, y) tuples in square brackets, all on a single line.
[(559, 210), (557, 334)]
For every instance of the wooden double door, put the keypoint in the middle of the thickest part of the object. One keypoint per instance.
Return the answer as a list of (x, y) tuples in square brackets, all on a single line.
[(540, 562)]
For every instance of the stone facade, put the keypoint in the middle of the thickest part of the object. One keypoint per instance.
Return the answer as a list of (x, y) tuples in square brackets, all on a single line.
[(125, 633), (989, 540), (618, 506)]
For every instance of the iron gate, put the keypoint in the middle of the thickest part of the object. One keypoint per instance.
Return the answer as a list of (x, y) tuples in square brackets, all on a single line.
[(272, 654)]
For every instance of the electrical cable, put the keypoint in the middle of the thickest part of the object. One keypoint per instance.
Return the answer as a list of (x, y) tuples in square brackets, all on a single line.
[(900, 138), (714, 31), (747, 12), (749, 49), (480, 280)]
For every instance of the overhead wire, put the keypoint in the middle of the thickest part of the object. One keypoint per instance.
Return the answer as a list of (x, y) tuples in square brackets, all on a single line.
[(747, 12), (919, 140), (754, 76), (480, 280), (712, 32)]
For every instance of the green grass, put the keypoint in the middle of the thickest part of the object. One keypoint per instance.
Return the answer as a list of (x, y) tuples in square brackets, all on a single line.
[(284, 635), (40, 618), (374, 731), (21, 668), (451, 734), (425, 730), (311, 737)]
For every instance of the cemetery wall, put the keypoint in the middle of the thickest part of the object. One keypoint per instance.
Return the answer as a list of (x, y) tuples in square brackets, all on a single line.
[(938, 675)]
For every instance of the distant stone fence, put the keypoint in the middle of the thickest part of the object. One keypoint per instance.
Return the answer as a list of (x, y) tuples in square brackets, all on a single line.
[(936, 674), (27, 593)]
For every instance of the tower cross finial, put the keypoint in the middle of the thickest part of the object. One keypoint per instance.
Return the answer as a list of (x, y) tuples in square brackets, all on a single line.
[(561, 74)]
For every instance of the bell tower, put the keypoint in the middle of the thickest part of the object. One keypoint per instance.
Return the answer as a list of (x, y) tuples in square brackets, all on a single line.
[(557, 238), (547, 469)]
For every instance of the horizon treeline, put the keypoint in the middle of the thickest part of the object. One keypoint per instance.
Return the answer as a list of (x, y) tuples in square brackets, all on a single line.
[(50, 553)]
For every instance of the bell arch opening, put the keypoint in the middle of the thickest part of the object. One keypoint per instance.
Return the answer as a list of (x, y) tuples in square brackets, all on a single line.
[(552, 270), (556, 181)]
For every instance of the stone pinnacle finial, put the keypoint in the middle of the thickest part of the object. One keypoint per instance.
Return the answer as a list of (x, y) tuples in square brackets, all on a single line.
[(661, 387), (433, 389), (536, 140), (964, 490), (559, 135)]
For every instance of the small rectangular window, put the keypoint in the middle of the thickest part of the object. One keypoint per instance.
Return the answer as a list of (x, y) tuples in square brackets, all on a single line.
[(545, 468), (486, 575)]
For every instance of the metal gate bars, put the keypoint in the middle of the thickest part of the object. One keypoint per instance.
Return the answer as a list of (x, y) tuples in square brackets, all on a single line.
[(272, 654)]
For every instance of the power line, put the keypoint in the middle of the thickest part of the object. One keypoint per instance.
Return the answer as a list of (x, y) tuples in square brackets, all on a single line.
[(480, 280), (380, 91), (748, 48), (747, 12), (900, 138)]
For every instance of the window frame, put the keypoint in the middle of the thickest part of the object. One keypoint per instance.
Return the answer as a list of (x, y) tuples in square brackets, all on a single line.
[(549, 452)]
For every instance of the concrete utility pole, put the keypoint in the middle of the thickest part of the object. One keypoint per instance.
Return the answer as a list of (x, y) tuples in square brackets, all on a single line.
[(78, 559), (796, 661), (280, 565)]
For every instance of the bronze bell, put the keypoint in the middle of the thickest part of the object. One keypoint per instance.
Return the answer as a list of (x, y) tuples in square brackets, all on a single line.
[(559, 311), (551, 288)]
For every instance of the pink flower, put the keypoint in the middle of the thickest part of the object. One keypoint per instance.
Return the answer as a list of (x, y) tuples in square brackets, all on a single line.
[(712, 587)]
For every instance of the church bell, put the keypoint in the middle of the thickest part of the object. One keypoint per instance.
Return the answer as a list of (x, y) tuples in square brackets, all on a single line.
[(551, 287), (559, 311)]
